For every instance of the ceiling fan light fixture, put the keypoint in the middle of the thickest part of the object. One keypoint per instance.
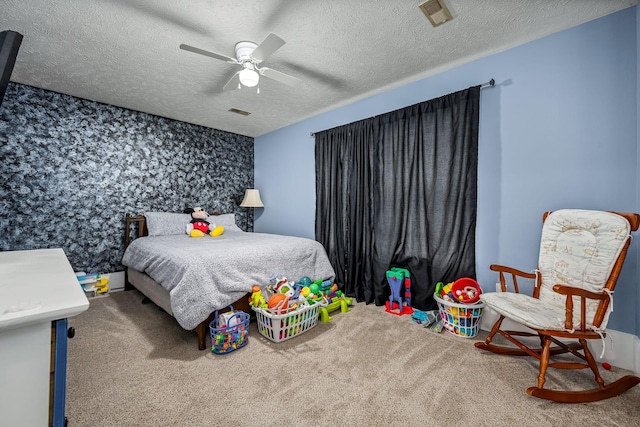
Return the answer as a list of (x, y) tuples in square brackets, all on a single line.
[(249, 56), (249, 77)]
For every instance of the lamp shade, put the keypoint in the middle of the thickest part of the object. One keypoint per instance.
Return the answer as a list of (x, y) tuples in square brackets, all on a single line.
[(249, 77), (251, 199)]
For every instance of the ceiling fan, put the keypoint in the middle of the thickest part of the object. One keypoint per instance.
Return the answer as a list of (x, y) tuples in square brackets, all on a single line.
[(249, 56)]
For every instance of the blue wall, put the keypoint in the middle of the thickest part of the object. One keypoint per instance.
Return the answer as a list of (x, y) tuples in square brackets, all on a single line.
[(559, 130)]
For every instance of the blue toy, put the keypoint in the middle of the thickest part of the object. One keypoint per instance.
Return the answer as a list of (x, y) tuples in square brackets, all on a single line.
[(396, 276)]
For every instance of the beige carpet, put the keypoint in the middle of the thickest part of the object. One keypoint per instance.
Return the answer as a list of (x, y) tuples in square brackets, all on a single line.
[(131, 364)]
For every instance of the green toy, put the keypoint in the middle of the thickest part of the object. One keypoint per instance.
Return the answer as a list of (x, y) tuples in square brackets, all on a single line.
[(342, 303), (439, 287)]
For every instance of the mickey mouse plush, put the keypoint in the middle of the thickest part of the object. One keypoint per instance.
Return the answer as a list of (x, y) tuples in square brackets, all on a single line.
[(199, 226)]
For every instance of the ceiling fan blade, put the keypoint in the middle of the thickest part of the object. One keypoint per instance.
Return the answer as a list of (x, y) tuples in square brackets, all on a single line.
[(280, 77), (233, 82), (269, 45), (207, 53)]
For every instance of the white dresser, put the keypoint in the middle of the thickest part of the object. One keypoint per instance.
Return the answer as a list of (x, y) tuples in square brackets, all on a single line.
[(38, 292)]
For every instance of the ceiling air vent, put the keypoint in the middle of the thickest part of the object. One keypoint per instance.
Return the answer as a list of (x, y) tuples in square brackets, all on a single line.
[(241, 112), (436, 12)]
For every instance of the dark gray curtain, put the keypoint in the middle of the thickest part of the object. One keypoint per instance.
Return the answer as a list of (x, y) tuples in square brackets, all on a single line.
[(399, 189)]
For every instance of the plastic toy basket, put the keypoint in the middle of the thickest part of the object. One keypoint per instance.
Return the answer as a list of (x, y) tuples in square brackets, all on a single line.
[(281, 325), (227, 339), (462, 320)]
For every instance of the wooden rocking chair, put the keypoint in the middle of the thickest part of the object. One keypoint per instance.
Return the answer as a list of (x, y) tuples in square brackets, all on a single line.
[(581, 255)]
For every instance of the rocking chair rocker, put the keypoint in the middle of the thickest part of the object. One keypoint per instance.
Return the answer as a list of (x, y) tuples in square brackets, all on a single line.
[(581, 255)]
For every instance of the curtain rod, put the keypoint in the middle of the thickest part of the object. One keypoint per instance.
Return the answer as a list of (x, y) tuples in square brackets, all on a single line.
[(490, 83)]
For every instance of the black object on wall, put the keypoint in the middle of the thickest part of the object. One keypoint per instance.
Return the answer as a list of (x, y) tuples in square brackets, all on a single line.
[(9, 45)]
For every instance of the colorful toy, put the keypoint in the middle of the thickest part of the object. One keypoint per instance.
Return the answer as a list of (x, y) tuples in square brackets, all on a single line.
[(297, 295), (256, 299), (459, 305), (439, 287), (314, 288), (396, 276), (278, 302), (444, 291), (102, 285), (93, 283), (286, 288), (466, 290), (230, 334), (425, 318), (407, 283), (304, 281), (199, 226), (335, 299)]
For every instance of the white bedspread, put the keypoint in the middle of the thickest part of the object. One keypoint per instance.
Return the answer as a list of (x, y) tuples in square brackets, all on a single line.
[(206, 274)]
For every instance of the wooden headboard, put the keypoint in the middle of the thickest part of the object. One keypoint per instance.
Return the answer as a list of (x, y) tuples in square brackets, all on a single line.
[(139, 222)]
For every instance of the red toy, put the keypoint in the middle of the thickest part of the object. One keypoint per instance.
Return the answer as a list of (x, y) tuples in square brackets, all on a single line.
[(466, 290)]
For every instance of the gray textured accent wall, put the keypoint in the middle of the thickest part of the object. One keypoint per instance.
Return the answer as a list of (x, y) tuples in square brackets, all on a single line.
[(71, 169)]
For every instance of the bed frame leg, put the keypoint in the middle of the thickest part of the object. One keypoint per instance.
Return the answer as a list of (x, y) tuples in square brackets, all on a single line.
[(127, 286), (201, 330)]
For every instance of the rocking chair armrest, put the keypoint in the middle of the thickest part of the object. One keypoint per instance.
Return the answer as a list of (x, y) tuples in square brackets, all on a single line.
[(577, 292), (514, 272), (571, 292)]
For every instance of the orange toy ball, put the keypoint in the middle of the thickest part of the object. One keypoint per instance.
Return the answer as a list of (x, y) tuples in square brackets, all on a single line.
[(278, 301)]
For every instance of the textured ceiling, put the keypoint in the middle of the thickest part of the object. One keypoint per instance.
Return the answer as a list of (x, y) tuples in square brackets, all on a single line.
[(125, 52)]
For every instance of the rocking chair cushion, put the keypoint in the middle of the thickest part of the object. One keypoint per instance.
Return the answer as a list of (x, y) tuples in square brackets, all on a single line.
[(579, 248), (526, 310)]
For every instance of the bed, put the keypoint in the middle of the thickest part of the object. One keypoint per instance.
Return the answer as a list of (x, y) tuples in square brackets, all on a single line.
[(191, 278)]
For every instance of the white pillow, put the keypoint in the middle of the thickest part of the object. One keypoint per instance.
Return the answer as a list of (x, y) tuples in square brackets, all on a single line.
[(228, 221), (166, 223)]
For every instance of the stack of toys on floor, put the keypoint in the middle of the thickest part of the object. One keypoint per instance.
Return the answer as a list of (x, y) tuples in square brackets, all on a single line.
[(285, 296), (93, 283), (292, 308), (459, 307), (284, 309)]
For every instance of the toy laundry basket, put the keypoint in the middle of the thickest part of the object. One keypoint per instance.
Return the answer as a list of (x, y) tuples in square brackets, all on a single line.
[(280, 325), (229, 332), (462, 320)]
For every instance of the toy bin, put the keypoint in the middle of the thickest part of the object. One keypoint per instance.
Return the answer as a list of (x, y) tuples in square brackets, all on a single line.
[(281, 325), (231, 335), (462, 320)]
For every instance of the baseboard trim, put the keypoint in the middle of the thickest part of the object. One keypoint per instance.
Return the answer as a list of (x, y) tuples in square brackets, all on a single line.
[(621, 349)]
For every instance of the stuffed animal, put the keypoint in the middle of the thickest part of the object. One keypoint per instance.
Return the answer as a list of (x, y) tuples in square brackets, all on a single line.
[(199, 226)]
